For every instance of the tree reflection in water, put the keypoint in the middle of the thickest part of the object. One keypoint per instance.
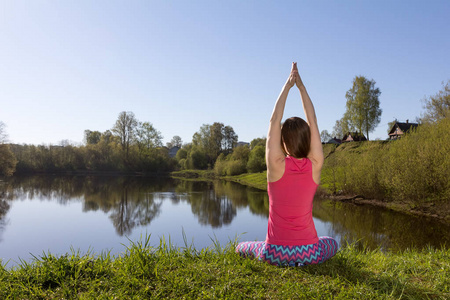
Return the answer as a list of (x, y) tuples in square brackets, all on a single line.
[(136, 201), (5, 194), (373, 227)]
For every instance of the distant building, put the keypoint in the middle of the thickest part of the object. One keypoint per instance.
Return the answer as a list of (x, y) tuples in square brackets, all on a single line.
[(335, 141), (242, 144), (173, 151), (399, 129), (354, 137)]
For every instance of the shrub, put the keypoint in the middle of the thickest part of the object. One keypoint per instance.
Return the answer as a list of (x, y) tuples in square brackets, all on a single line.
[(257, 160), (235, 167)]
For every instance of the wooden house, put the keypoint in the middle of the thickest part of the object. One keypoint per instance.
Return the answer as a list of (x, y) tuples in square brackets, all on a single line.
[(354, 137), (399, 129)]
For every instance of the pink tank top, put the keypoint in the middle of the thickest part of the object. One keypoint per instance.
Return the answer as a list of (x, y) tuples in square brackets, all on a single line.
[(290, 205)]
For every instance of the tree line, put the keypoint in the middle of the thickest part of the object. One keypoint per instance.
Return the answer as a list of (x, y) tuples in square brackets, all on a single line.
[(129, 146), (135, 146)]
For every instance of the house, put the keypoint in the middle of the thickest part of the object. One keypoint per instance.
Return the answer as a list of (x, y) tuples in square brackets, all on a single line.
[(335, 141), (173, 151), (399, 129), (354, 137), (242, 144)]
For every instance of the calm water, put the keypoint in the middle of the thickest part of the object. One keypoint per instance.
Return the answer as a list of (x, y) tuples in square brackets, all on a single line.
[(54, 213)]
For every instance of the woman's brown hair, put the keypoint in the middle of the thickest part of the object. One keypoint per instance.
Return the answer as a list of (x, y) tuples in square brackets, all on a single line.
[(295, 137)]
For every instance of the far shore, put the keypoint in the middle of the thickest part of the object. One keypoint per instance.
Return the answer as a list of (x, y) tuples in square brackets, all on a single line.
[(436, 211)]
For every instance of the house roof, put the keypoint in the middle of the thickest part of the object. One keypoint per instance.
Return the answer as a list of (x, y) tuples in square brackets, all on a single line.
[(334, 141), (403, 126), (357, 137)]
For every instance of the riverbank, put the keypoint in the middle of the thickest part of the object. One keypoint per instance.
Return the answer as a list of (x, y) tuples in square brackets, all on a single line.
[(166, 272), (438, 211)]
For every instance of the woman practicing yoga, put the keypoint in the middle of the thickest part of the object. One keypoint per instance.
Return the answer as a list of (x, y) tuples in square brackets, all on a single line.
[(294, 158)]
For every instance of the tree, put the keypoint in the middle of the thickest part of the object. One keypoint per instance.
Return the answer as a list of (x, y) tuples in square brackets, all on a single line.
[(258, 142), (176, 141), (3, 135), (325, 136), (341, 127), (257, 159), (124, 128), (390, 124), (215, 139), (197, 159), (147, 137), (92, 137), (229, 139), (363, 105), (438, 106), (8, 161)]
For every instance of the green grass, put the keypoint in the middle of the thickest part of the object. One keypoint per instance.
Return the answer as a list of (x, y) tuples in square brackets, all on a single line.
[(194, 174), (166, 272), (257, 180)]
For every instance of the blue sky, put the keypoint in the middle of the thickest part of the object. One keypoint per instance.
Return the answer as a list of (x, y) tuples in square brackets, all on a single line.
[(67, 66)]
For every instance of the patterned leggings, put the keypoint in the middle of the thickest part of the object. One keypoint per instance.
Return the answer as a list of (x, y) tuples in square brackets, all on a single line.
[(316, 253)]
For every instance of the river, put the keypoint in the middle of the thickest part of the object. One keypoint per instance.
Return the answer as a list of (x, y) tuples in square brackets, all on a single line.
[(98, 214)]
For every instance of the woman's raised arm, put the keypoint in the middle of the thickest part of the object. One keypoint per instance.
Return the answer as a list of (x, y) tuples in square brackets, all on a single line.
[(316, 151), (274, 152)]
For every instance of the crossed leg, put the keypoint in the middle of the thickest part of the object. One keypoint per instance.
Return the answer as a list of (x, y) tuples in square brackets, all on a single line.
[(278, 255)]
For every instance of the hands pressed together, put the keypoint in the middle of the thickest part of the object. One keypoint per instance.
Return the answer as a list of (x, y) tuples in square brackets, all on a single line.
[(294, 77)]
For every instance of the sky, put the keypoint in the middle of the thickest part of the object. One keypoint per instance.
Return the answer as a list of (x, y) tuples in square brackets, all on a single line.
[(67, 66)]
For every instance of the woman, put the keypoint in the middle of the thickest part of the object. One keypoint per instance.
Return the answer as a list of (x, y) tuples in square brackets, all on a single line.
[(294, 158)]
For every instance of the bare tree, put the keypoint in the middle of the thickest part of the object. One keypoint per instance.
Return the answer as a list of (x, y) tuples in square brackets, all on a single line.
[(124, 128), (3, 135)]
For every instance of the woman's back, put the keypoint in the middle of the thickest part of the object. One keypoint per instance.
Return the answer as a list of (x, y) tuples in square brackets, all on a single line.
[(291, 202)]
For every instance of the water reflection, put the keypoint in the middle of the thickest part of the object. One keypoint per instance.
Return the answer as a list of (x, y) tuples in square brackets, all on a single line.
[(131, 202), (373, 227), (136, 201)]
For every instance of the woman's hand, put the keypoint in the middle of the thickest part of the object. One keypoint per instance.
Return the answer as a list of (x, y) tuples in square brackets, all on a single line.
[(292, 77), (298, 80)]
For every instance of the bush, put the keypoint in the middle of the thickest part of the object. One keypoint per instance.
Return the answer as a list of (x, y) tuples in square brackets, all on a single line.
[(235, 167), (415, 168), (257, 160), (197, 159), (418, 166)]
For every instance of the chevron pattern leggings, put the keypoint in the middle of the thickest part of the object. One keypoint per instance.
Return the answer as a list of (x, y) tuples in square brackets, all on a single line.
[(316, 253)]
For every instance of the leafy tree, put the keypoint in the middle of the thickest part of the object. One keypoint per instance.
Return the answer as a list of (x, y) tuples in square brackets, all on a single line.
[(258, 142), (341, 127), (438, 106), (325, 136), (215, 139), (363, 105), (92, 137), (7, 160), (197, 159), (176, 141), (229, 139), (182, 153), (147, 137), (240, 153), (124, 128)]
